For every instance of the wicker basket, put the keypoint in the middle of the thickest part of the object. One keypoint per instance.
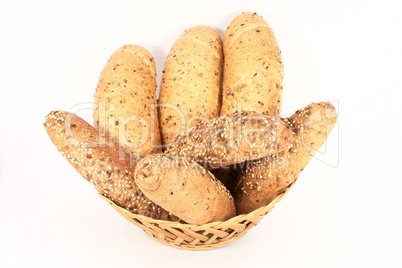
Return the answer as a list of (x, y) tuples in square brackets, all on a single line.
[(198, 237)]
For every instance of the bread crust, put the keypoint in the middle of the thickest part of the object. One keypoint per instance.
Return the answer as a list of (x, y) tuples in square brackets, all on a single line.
[(191, 82), (125, 101), (233, 138), (253, 68), (113, 177), (261, 181), (184, 188)]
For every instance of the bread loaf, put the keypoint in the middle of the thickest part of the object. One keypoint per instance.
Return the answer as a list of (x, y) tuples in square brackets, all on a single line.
[(184, 188), (253, 68), (233, 138), (191, 82), (266, 178), (125, 102), (99, 164)]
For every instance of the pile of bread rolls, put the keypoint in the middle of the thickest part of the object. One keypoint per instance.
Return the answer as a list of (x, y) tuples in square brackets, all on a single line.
[(212, 146)]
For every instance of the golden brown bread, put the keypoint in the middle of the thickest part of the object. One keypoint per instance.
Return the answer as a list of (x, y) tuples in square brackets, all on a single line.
[(99, 164), (184, 188), (191, 82), (264, 179), (253, 68), (125, 101), (233, 138)]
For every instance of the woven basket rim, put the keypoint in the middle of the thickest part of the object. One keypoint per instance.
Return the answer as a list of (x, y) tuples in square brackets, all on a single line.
[(207, 236), (206, 225)]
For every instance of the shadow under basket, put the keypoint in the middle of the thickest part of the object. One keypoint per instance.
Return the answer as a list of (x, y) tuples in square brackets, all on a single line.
[(198, 237)]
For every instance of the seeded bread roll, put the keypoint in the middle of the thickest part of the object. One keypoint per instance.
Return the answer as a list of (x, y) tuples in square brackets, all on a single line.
[(266, 178), (233, 138), (191, 82), (253, 69), (99, 164), (125, 101), (184, 188)]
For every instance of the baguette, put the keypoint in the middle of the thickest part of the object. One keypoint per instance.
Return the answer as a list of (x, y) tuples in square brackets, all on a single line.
[(191, 82), (261, 181), (99, 164), (184, 188), (232, 139), (253, 69), (125, 102)]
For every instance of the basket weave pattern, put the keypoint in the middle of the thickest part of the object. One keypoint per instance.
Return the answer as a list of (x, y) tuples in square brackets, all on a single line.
[(198, 237)]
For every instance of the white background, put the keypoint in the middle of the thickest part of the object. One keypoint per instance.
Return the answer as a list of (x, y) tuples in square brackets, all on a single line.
[(344, 211)]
